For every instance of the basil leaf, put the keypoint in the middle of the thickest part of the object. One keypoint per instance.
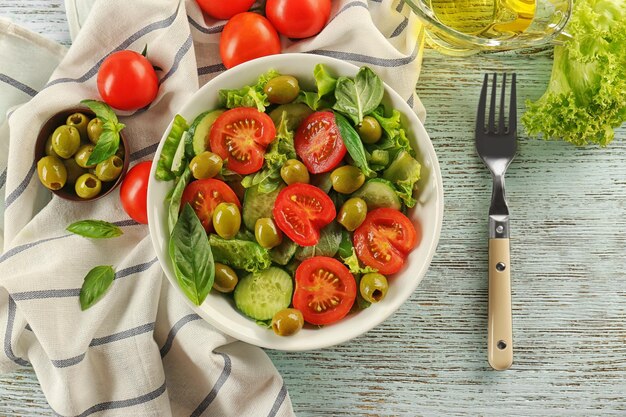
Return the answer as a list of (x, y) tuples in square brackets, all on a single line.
[(354, 145), (106, 147), (96, 283), (191, 256), (328, 245), (164, 165), (95, 229), (102, 110), (283, 253), (359, 97), (175, 198)]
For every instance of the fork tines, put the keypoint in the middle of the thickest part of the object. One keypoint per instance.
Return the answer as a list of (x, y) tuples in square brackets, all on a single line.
[(491, 127)]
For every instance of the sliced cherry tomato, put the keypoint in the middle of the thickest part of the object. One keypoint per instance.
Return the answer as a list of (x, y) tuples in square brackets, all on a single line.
[(204, 196), (240, 136), (247, 36), (384, 239), (224, 9), (127, 81), (134, 192), (325, 290), (298, 18), (301, 210), (318, 142)]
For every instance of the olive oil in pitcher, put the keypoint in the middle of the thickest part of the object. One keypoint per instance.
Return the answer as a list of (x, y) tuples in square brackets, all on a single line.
[(494, 19)]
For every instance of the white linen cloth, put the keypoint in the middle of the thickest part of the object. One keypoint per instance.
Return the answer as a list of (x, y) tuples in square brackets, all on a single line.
[(140, 350)]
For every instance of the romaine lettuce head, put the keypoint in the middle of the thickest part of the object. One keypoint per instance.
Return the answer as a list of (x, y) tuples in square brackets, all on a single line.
[(586, 97)]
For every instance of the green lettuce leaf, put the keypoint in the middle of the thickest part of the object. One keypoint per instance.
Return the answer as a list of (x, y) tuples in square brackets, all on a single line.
[(354, 265), (249, 95), (394, 138)]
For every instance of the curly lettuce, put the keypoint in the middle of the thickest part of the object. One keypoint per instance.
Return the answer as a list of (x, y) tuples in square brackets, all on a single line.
[(249, 95), (586, 97)]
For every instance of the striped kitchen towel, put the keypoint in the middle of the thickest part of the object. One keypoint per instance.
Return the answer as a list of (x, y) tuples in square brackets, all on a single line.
[(140, 351)]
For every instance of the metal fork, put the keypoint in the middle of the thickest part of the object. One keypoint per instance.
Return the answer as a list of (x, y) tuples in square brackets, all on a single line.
[(496, 145)]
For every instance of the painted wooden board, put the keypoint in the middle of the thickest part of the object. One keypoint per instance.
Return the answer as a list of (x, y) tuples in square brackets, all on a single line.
[(568, 221)]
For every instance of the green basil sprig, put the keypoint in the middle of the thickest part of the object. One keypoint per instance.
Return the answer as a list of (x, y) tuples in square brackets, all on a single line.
[(109, 140), (354, 145), (96, 283), (359, 97), (191, 256), (95, 229)]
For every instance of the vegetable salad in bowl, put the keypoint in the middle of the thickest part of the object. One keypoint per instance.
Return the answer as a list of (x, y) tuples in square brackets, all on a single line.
[(306, 200)]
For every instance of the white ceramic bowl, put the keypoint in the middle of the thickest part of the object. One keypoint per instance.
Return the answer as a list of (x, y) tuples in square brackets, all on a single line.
[(218, 309)]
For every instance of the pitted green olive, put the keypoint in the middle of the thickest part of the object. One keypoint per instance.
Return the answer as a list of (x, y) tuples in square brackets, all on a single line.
[(266, 233), (294, 171), (65, 141), (205, 165), (82, 155), (373, 287), (282, 89), (94, 129), (110, 168), (51, 172), (87, 186), (225, 278), (48, 147), (226, 220), (73, 170), (80, 122), (352, 213), (369, 130), (347, 179), (287, 322)]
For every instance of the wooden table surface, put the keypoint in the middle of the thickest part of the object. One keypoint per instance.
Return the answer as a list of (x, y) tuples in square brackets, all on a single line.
[(568, 221)]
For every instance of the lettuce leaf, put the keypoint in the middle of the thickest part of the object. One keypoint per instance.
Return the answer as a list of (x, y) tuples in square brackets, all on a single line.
[(586, 97), (249, 95), (394, 138)]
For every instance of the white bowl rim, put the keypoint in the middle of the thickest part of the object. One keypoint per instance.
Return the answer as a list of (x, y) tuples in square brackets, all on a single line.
[(390, 306)]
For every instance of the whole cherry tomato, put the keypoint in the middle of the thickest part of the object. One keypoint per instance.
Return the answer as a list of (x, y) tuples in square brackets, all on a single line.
[(298, 18), (127, 81), (247, 36), (134, 192), (221, 9)]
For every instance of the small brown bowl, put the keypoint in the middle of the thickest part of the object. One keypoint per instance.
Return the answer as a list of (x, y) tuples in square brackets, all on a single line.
[(67, 192)]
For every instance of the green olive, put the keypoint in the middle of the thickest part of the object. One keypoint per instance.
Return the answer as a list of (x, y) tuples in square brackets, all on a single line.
[(94, 129), (369, 130), (266, 233), (65, 141), (48, 147), (82, 155), (226, 220), (287, 322), (373, 287), (225, 278), (205, 165), (352, 213), (80, 122), (110, 168), (294, 171), (282, 89), (347, 179), (52, 172), (87, 186), (73, 170)]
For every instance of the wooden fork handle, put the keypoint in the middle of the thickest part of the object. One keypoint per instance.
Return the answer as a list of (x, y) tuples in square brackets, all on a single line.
[(500, 328)]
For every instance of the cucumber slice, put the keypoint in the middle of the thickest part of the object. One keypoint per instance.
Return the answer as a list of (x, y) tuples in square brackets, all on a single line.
[(262, 294), (377, 193), (200, 129), (257, 205)]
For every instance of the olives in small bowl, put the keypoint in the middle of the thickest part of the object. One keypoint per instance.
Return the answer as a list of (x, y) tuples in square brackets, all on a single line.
[(63, 146)]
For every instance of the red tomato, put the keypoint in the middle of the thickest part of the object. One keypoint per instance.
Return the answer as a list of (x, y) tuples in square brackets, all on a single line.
[(134, 192), (204, 196), (318, 142), (247, 36), (298, 18), (222, 9), (301, 210), (325, 290), (240, 136), (384, 239), (127, 81)]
